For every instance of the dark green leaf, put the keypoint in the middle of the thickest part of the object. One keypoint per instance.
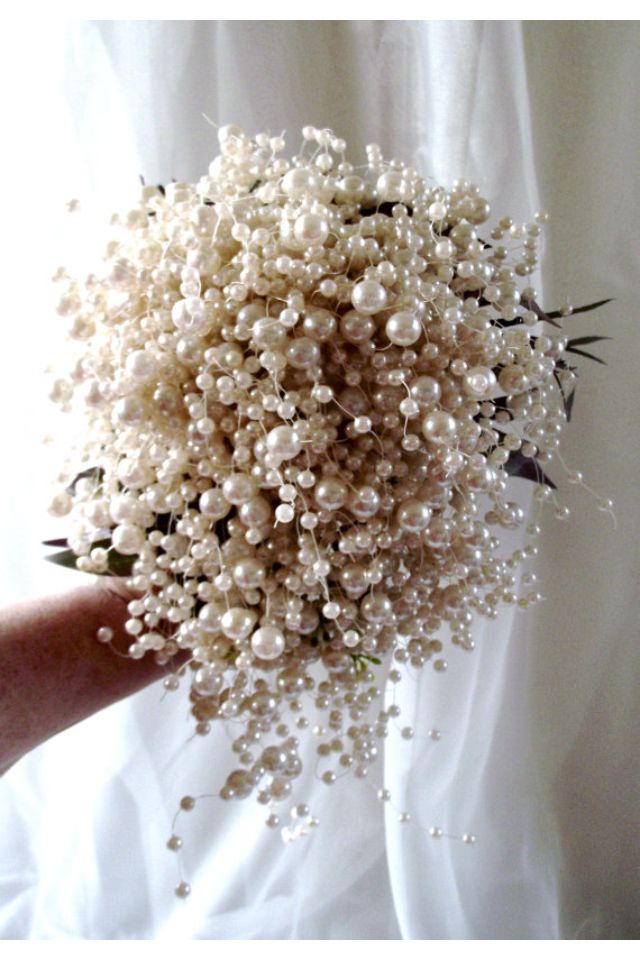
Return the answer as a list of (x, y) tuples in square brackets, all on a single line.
[(539, 312), (589, 306), (583, 353), (65, 558), (119, 564), (527, 469), (62, 542), (584, 340), (96, 473)]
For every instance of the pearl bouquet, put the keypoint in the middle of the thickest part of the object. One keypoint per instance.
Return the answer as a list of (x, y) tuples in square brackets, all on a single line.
[(306, 386)]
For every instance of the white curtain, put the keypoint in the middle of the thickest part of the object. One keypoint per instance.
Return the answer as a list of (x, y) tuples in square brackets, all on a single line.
[(538, 751)]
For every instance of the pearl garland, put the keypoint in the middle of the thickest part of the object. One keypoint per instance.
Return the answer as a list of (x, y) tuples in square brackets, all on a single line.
[(301, 387)]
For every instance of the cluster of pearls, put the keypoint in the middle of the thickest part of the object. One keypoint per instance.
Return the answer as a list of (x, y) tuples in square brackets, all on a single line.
[(302, 383)]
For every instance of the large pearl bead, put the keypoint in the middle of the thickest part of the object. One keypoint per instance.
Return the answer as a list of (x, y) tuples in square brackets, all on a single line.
[(141, 365), (368, 297), (478, 382), (213, 503), (297, 182), (302, 353), (376, 608), (207, 682), (439, 427), (319, 324), (353, 578), (256, 512), (364, 503), (425, 390), (249, 573), (128, 539), (403, 328), (357, 328), (513, 380), (237, 623), (331, 493), (413, 515), (239, 488), (310, 230), (283, 442), (267, 642), (390, 186)]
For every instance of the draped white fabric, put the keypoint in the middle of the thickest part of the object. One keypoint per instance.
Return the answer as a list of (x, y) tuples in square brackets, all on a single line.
[(538, 755)]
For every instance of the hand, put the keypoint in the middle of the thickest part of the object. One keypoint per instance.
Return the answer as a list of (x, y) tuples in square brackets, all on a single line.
[(53, 670)]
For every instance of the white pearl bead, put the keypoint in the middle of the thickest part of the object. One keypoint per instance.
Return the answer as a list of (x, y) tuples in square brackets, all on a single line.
[(376, 608), (438, 210), (127, 539), (284, 443), (285, 513), (439, 427), (237, 623), (141, 365), (297, 183), (310, 229), (331, 493), (239, 488), (369, 297), (513, 380), (479, 381), (303, 353), (425, 390), (213, 503), (207, 682), (390, 186), (413, 515), (268, 642), (403, 328)]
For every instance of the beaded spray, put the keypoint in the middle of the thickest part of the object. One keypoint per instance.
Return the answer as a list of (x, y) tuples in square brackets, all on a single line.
[(305, 387)]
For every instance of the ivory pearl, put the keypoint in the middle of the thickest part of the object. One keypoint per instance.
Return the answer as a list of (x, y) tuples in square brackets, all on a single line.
[(297, 183), (413, 515), (239, 488), (283, 442), (310, 229), (369, 297), (439, 427), (127, 538), (478, 382), (141, 365), (237, 623), (268, 642), (356, 327), (331, 493), (425, 390), (403, 328)]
